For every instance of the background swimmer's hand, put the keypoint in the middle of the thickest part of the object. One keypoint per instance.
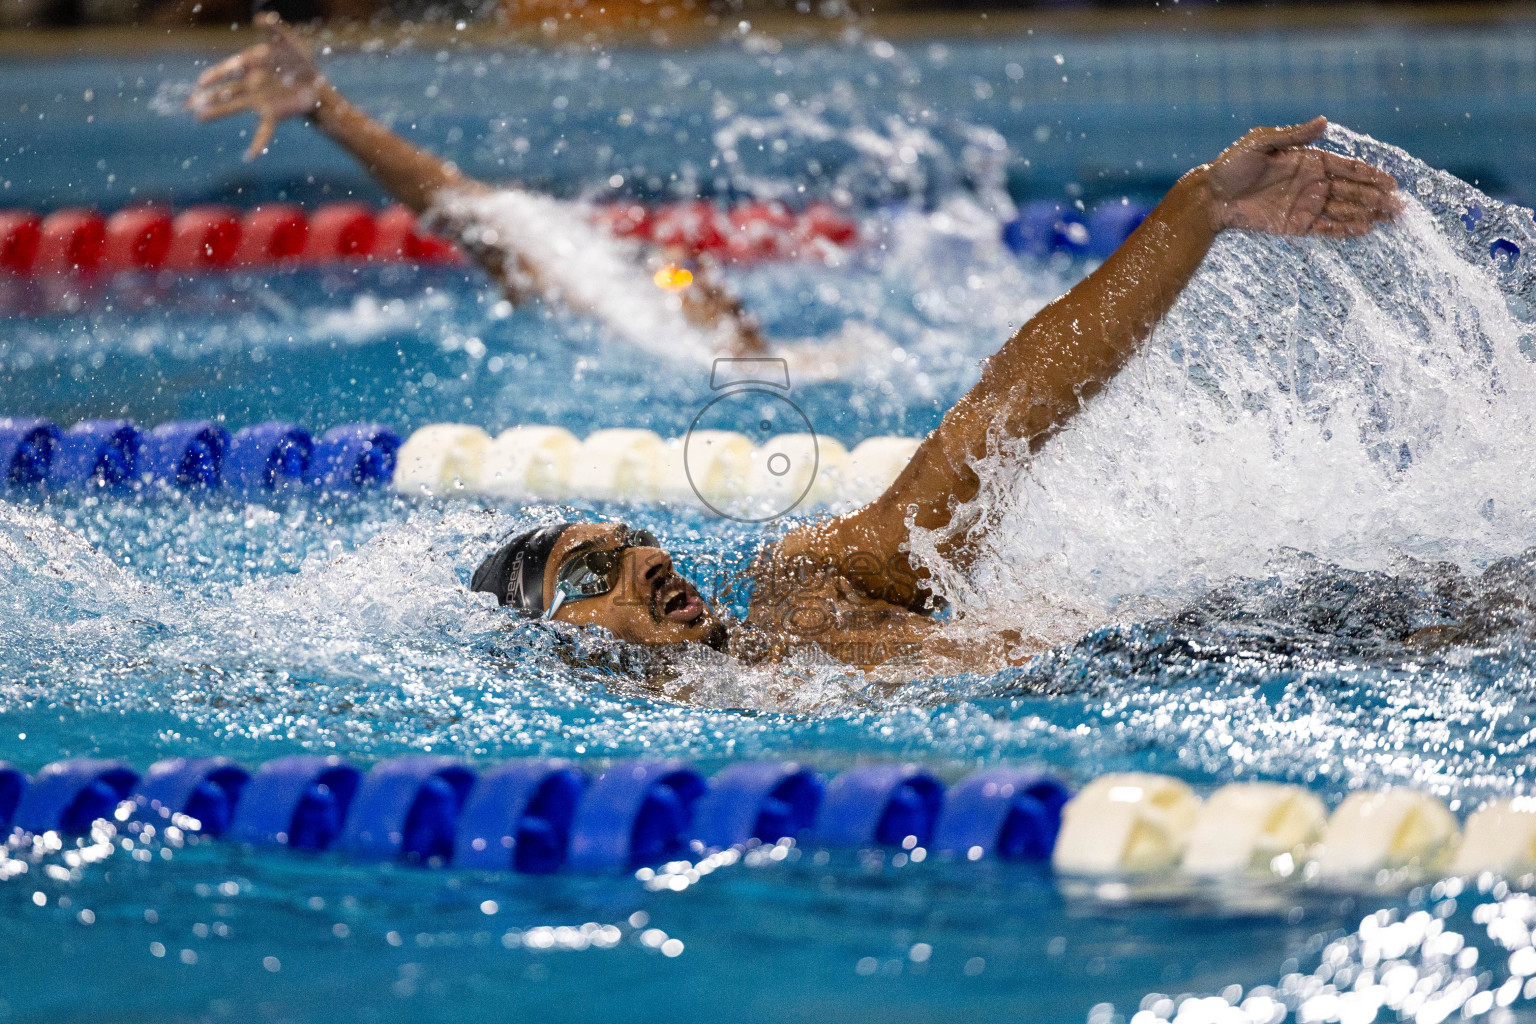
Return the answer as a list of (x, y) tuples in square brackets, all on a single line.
[(276, 79), (1271, 180)]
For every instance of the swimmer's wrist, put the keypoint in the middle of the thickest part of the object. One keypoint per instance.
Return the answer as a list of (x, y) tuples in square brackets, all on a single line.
[(1195, 187), (329, 103)]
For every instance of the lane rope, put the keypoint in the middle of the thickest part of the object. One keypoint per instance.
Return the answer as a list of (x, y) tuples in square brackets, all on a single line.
[(538, 816), (526, 463), (78, 242)]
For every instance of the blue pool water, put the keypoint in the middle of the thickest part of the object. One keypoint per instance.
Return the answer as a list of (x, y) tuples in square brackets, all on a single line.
[(1323, 451)]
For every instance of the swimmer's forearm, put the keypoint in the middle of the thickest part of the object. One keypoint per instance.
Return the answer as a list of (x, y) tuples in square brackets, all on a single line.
[(1072, 347), (1034, 385), (412, 175), (409, 173), (1066, 352)]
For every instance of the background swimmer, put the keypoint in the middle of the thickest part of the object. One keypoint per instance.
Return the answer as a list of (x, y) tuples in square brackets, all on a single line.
[(502, 226), (850, 585)]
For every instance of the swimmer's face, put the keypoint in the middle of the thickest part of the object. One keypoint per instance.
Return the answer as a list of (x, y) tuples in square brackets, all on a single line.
[(649, 603)]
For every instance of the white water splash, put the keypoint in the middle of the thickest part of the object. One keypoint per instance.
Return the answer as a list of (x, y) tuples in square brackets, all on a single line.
[(1360, 400), (367, 319), (578, 264), (44, 565)]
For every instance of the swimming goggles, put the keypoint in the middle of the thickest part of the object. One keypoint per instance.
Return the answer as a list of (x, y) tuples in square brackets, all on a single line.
[(594, 573)]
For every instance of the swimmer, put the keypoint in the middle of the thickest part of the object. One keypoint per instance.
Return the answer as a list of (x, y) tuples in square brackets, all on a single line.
[(278, 80), (849, 585)]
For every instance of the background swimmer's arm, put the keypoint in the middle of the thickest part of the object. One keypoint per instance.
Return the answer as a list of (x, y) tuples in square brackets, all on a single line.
[(278, 79), (1267, 181), (708, 304)]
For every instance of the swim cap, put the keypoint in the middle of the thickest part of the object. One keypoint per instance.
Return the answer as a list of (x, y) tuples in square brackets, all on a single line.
[(515, 571)]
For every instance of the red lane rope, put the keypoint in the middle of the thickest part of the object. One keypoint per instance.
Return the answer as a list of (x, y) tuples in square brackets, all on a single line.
[(746, 232), (79, 242)]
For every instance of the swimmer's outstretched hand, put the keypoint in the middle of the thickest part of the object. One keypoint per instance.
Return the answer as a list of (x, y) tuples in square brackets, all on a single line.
[(276, 79), (1271, 180)]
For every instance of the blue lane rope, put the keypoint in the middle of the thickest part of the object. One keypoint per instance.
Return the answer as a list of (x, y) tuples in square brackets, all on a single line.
[(195, 455), (103, 452), (1047, 227), (542, 816), (26, 451)]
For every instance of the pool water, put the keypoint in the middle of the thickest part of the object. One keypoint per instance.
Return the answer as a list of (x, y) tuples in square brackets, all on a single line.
[(1289, 543)]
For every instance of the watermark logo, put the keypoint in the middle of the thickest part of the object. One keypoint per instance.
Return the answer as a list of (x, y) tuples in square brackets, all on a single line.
[(773, 471)]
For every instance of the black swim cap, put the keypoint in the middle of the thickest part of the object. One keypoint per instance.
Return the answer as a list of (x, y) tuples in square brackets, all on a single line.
[(515, 571)]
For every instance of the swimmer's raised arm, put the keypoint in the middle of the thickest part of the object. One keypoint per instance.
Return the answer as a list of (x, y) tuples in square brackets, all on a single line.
[(1269, 180), (278, 79)]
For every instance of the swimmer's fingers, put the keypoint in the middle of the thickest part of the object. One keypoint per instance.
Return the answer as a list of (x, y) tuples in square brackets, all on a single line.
[(211, 92), (247, 93), (1343, 168), (1376, 201), (232, 67), (285, 56), (1272, 140), (223, 85), (1333, 229), (1342, 219), (214, 111), (1345, 222), (264, 132), (216, 93), (1354, 192)]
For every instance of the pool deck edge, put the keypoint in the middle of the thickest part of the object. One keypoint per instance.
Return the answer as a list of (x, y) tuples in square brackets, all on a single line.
[(896, 25)]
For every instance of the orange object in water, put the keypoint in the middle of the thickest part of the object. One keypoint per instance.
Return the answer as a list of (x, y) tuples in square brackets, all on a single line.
[(400, 237), (821, 220), (673, 277), (395, 237)]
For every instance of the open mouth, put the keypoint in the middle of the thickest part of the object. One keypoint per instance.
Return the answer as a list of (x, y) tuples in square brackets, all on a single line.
[(676, 601)]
